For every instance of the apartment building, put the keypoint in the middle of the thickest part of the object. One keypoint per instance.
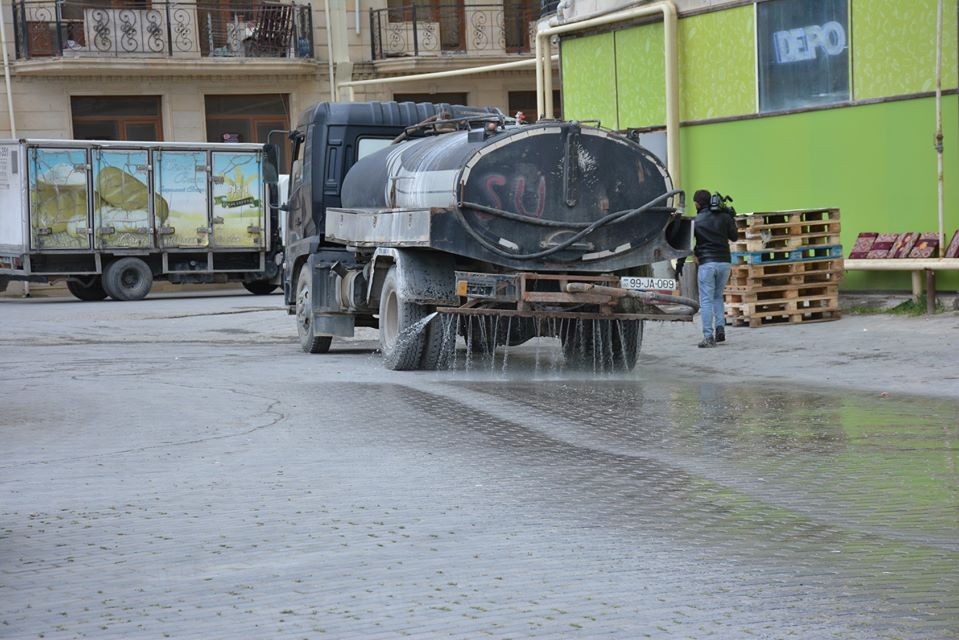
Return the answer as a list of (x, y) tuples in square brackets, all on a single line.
[(236, 70)]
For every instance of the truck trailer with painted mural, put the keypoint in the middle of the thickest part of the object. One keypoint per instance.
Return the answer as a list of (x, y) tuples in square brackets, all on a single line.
[(434, 221), (109, 218)]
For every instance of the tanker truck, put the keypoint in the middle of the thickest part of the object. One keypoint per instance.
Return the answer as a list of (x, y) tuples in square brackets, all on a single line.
[(431, 222)]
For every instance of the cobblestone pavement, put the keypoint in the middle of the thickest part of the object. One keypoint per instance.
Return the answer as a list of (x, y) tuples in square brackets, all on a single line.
[(177, 468)]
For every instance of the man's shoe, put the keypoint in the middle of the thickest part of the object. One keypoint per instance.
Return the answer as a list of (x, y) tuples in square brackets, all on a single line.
[(707, 343), (720, 334)]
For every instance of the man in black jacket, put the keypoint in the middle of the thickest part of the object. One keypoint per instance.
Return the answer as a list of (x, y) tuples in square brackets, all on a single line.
[(714, 228)]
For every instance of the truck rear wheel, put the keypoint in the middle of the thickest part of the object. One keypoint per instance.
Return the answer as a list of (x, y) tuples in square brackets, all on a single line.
[(309, 341), (92, 291), (603, 345), (401, 340), (260, 287), (439, 343), (127, 279)]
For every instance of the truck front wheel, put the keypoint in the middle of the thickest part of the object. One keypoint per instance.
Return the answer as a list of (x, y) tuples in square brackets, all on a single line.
[(127, 279), (260, 287), (401, 339), (91, 291), (309, 341)]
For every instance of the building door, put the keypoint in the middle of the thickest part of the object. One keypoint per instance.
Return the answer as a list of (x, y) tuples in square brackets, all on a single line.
[(250, 118), (117, 118)]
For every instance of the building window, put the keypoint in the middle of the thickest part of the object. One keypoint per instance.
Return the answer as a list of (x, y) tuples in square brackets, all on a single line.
[(803, 53), (249, 118), (525, 101), (117, 118)]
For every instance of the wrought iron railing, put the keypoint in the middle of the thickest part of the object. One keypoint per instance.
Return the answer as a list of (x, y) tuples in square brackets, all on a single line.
[(484, 29), (145, 28)]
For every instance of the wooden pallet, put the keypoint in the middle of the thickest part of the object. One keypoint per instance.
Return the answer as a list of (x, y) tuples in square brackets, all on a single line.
[(749, 276), (791, 255), (793, 238), (775, 295), (772, 219), (799, 317)]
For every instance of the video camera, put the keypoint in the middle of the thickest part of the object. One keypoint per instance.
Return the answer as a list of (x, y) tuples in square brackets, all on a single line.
[(717, 203)]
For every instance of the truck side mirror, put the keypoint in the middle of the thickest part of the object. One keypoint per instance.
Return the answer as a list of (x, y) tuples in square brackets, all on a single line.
[(271, 174)]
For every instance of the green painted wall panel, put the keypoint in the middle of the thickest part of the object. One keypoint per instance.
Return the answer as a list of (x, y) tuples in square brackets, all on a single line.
[(717, 64), (894, 50), (589, 79), (875, 162), (641, 76)]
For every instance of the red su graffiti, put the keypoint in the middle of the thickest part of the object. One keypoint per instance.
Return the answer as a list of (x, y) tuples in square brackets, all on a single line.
[(495, 180)]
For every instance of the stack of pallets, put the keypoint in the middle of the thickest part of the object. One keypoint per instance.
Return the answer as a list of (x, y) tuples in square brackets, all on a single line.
[(786, 268)]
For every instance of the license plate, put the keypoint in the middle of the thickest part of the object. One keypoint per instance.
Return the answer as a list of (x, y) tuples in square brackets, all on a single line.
[(647, 284)]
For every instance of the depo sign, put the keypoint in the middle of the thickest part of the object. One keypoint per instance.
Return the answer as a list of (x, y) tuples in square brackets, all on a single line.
[(795, 45)]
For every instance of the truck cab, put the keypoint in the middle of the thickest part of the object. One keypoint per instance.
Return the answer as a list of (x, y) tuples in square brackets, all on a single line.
[(329, 138)]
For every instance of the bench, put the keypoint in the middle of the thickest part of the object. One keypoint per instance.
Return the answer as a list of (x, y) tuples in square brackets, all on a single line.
[(915, 265)]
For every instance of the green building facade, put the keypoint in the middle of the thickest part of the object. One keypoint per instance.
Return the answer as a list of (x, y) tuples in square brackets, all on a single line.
[(790, 104)]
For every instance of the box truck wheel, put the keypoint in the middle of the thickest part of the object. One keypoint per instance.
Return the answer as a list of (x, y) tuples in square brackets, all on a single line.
[(401, 340), (90, 291), (310, 342), (260, 287), (127, 279)]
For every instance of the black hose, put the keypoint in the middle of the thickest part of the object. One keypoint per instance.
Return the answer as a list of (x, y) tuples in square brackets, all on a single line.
[(607, 219), (509, 215)]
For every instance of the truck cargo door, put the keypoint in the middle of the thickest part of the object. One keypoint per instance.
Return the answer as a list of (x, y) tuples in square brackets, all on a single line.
[(239, 205), (59, 199), (182, 202), (121, 199)]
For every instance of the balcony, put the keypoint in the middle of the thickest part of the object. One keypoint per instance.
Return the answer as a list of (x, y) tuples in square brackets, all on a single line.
[(144, 32), (432, 29)]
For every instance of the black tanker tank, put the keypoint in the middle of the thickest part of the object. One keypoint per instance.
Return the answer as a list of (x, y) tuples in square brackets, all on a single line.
[(556, 196)]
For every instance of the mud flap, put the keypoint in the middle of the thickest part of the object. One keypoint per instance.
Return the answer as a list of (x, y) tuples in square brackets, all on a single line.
[(424, 277)]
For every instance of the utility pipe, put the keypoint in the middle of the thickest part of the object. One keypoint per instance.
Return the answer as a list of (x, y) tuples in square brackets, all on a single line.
[(356, 14), (6, 75), (329, 50), (544, 87), (504, 66), (939, 177)]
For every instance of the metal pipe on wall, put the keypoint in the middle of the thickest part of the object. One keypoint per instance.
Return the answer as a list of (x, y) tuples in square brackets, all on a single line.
[(939, 174), (444, 74), (544, 87), (329, 51), (6, 73)]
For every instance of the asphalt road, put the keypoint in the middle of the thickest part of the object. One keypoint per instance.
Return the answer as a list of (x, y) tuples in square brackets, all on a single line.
[(176, 467)]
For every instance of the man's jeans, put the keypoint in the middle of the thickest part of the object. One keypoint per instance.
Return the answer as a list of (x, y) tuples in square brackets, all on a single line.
[(712, 278)]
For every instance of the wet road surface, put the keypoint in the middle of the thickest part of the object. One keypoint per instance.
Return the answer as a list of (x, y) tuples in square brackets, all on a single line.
[(155, 486)]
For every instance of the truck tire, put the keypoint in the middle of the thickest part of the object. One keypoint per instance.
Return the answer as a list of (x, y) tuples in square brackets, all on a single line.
[(439, 344), (91, 292), (260, 287), (619, 342), (401, 341), (309, 341), (127, 279)]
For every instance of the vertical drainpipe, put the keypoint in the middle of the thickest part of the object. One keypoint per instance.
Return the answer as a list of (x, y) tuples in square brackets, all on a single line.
[(329, 50), (6, 73), (939, 177), (544, 75)]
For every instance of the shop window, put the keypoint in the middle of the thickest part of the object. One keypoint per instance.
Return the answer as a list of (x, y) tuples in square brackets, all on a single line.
[(803, 53), (250, 118), (117, 118), (525, 101)]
